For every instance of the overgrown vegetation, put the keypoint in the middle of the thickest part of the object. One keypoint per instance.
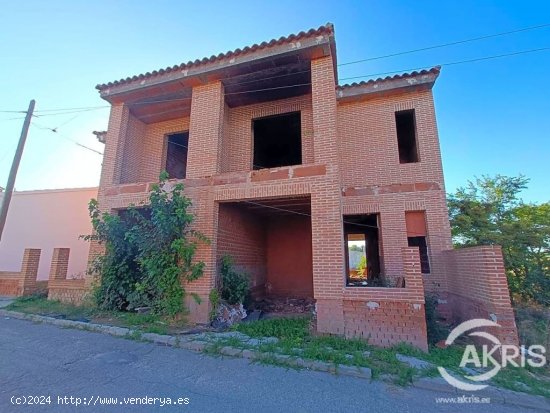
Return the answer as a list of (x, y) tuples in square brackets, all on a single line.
[(145, 323), (235, 285), (436, 331), (295, 340), (533, 325), (214, 298), (148, 252), (489, 211)]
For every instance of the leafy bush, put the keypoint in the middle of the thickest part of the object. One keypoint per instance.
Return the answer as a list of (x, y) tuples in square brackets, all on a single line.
[(533, 325), (148, 252), (214, 298), (234, 285), (436, 332)]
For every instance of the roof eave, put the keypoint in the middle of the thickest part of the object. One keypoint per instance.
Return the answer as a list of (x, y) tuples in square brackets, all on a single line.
[(311, 46), (404, 83)]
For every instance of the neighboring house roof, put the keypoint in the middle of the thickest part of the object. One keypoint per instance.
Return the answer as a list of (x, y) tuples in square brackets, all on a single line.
[(423, 79), (326, 29)]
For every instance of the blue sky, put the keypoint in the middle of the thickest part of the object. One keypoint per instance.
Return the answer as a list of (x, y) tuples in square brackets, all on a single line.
[(493, 116)]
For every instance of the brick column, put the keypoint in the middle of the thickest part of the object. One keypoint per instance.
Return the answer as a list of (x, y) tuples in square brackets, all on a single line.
[(415, 321), (29, 271), (205, 130), (205, 210), (111, 169), (326, 208), (392, 218), (60, 264), (114, 146)]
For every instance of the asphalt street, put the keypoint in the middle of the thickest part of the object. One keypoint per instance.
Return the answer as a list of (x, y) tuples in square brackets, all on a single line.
[(39, 360)]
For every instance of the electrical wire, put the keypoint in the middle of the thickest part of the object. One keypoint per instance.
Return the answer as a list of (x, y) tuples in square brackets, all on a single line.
[(479, 59), (65, 111), (474, 39), (56, 131)]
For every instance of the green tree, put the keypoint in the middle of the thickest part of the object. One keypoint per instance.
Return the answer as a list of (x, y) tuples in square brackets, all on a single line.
[(148, 254), (489, 211)]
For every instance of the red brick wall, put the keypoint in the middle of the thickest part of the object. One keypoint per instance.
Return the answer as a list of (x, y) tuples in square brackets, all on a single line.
[(9, 283), (242, 235), (375, 182), (479, 289), (388, 316), (289, 256)]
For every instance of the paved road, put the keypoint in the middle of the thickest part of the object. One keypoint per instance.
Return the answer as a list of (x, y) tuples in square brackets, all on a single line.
[(39, 359)]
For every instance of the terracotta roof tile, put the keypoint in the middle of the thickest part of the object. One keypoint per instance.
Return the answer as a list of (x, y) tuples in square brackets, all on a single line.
[(328, 28), (434, 70)]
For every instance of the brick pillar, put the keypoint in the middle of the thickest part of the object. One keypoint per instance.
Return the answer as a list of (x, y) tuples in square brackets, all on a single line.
[(60, 264), (111, 169), (114, 146), (498, 294), (392, 240), (205, 130), (415, 285), (205, 210), (326, 208), (29, 271)]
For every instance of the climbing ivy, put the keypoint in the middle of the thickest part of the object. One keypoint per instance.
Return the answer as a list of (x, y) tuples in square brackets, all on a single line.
[(148, 252)]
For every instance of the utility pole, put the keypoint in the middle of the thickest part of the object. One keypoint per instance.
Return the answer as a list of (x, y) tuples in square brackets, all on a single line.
[(14, 167)]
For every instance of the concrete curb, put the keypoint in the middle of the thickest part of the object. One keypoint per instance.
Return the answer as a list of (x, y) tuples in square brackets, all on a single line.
[(190, 343)]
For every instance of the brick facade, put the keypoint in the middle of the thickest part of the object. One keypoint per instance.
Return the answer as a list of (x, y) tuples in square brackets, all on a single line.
[(350, 166)]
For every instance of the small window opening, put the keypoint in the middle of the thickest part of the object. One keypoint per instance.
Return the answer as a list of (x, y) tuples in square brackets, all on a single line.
[(277, 141), (422, 245), (405, 124), (176, 155), (417, 237), (362, 250)]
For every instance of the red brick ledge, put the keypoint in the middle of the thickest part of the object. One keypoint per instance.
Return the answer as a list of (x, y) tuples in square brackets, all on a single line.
[(262, 175), (391, 189)]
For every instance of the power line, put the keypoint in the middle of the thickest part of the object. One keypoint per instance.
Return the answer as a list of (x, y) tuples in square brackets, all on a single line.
[(67, 111), (56, 131), (84, 108), (474, 39), (459, 62), (352, 77)]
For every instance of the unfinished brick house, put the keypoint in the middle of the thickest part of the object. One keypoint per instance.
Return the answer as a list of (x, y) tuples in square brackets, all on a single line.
[(318, 190)]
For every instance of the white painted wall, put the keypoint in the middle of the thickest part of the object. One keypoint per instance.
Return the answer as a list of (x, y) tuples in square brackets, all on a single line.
[(47, 219)]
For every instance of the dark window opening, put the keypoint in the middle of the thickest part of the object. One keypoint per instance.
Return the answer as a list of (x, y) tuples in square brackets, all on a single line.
[(130, 219), (362, 250), (422, 245), (416, 236), (277, 141), (405, 124), (176, 155)]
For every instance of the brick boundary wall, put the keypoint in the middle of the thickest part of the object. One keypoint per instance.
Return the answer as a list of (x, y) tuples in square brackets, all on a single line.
[(388, 316), (59, 287), (23, 282), (479, 289)]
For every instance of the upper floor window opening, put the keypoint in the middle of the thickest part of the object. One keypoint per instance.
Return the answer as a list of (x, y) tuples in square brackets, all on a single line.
[(176, 154), (277, 141), (405, 125)]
